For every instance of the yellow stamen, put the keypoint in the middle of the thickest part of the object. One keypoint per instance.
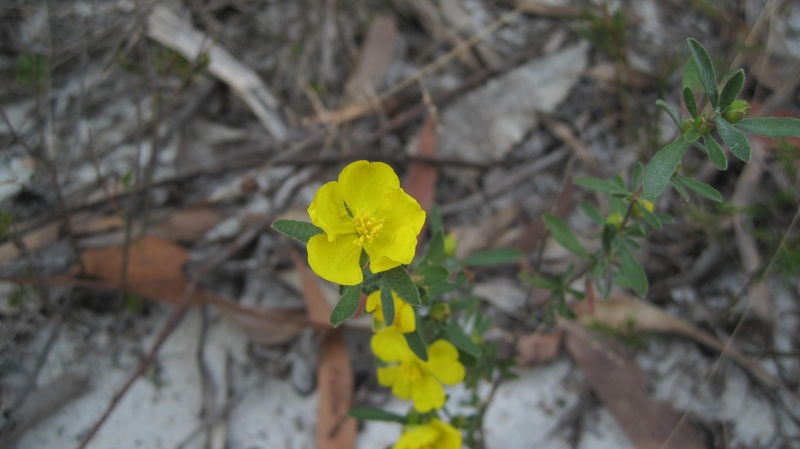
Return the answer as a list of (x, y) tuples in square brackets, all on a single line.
[(367, 228)]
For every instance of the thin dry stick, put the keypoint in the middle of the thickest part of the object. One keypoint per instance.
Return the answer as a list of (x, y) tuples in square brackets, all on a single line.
[(728, 343)]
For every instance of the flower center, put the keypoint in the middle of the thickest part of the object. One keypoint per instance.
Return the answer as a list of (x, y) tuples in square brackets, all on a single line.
[(411, 371), (367, 227)]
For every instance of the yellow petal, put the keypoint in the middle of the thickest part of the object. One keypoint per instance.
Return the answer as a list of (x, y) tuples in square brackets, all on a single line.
[(374, 305), (448, 437), (404, 319), (389, 345), (427, 394), (443, 363), (397, 241), (363, 185), (403, 387), (337, 260), (417, 437), (327, 212), (387, 375)]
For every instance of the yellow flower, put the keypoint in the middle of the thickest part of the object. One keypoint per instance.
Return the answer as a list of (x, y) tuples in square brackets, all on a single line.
[(410, 377), (365, 208), (434, 435), (404, 320)]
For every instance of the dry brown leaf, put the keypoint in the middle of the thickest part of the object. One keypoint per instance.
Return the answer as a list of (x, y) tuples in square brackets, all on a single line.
[(537, 348), (376, 55), (33, 241), (154, 270), (187, 225), (619, 310), (622, 387), (335, 430), (421, 179)]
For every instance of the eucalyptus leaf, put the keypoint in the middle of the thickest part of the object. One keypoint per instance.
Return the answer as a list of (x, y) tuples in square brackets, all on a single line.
[(659, 170), (731, 89), (771, 126), (398, 280), (298, 230), (705, 70), (734, 139), (347, 306), (563, 234)]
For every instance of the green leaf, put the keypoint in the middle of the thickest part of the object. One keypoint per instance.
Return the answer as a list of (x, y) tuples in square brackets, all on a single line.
[(374, 414), (715, 153), (771, 126), (432, 274), (457, 337), (636, 175), (659, 170), (417, 344), (489, 257), (398, 280), (731, 89), (688, 99), (670, 111), (435, 252), (680, 189), (347, 306), (600, 185), (435, 220), (633, 274), (591, 211), (690, 76), (537, 282), (607, 237), (700, 188), (691, 135), (387, 305), (734, 139), (563, 235), (705, 70), (298, 230)]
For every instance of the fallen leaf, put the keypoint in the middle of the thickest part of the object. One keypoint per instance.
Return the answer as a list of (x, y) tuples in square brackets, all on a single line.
[(537, 348), (421, 178), (621, 310), (335, 430), (33, 241), (622, 387), (376, 55), (187, 225)]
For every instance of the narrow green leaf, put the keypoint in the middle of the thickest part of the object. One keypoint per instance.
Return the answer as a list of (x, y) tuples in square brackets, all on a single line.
[(591, 211), (600, 185), (659, 170), (771, 126), (715, 153), (489, 257), (680, 189), (670, 111), (705, 70), (435, 251), (691, 135), (607, 237), (632, 272), (417, 344), (347, 306), (688, 99), (537, 282), (690, 76), (374, 414), (298, 230), (734, 139), (563, 235), (700, 188), (398, 280), (636, 176), (432, 274), (731, 89), (461, 340), (387, 305)]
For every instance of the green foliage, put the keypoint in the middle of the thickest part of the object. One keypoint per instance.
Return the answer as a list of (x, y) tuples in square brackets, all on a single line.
[(387, 305), (298, 230), (661, 167), (398, 280), (347, 306), (771, 126), (705, 70), (417, 344), (563, 234), (492, 257), (374, 414), (734, 139), (31, 70), (6, 224), (731, 89)]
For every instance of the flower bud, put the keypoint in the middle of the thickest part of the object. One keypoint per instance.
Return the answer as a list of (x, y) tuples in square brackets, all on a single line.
[(645, 204), (614, 219), (440, 311), (450, 245), (736, 111)]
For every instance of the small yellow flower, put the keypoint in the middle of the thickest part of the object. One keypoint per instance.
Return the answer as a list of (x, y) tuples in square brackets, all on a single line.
[(404, 320), (434, 435), (409, 376), (365, 208)]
